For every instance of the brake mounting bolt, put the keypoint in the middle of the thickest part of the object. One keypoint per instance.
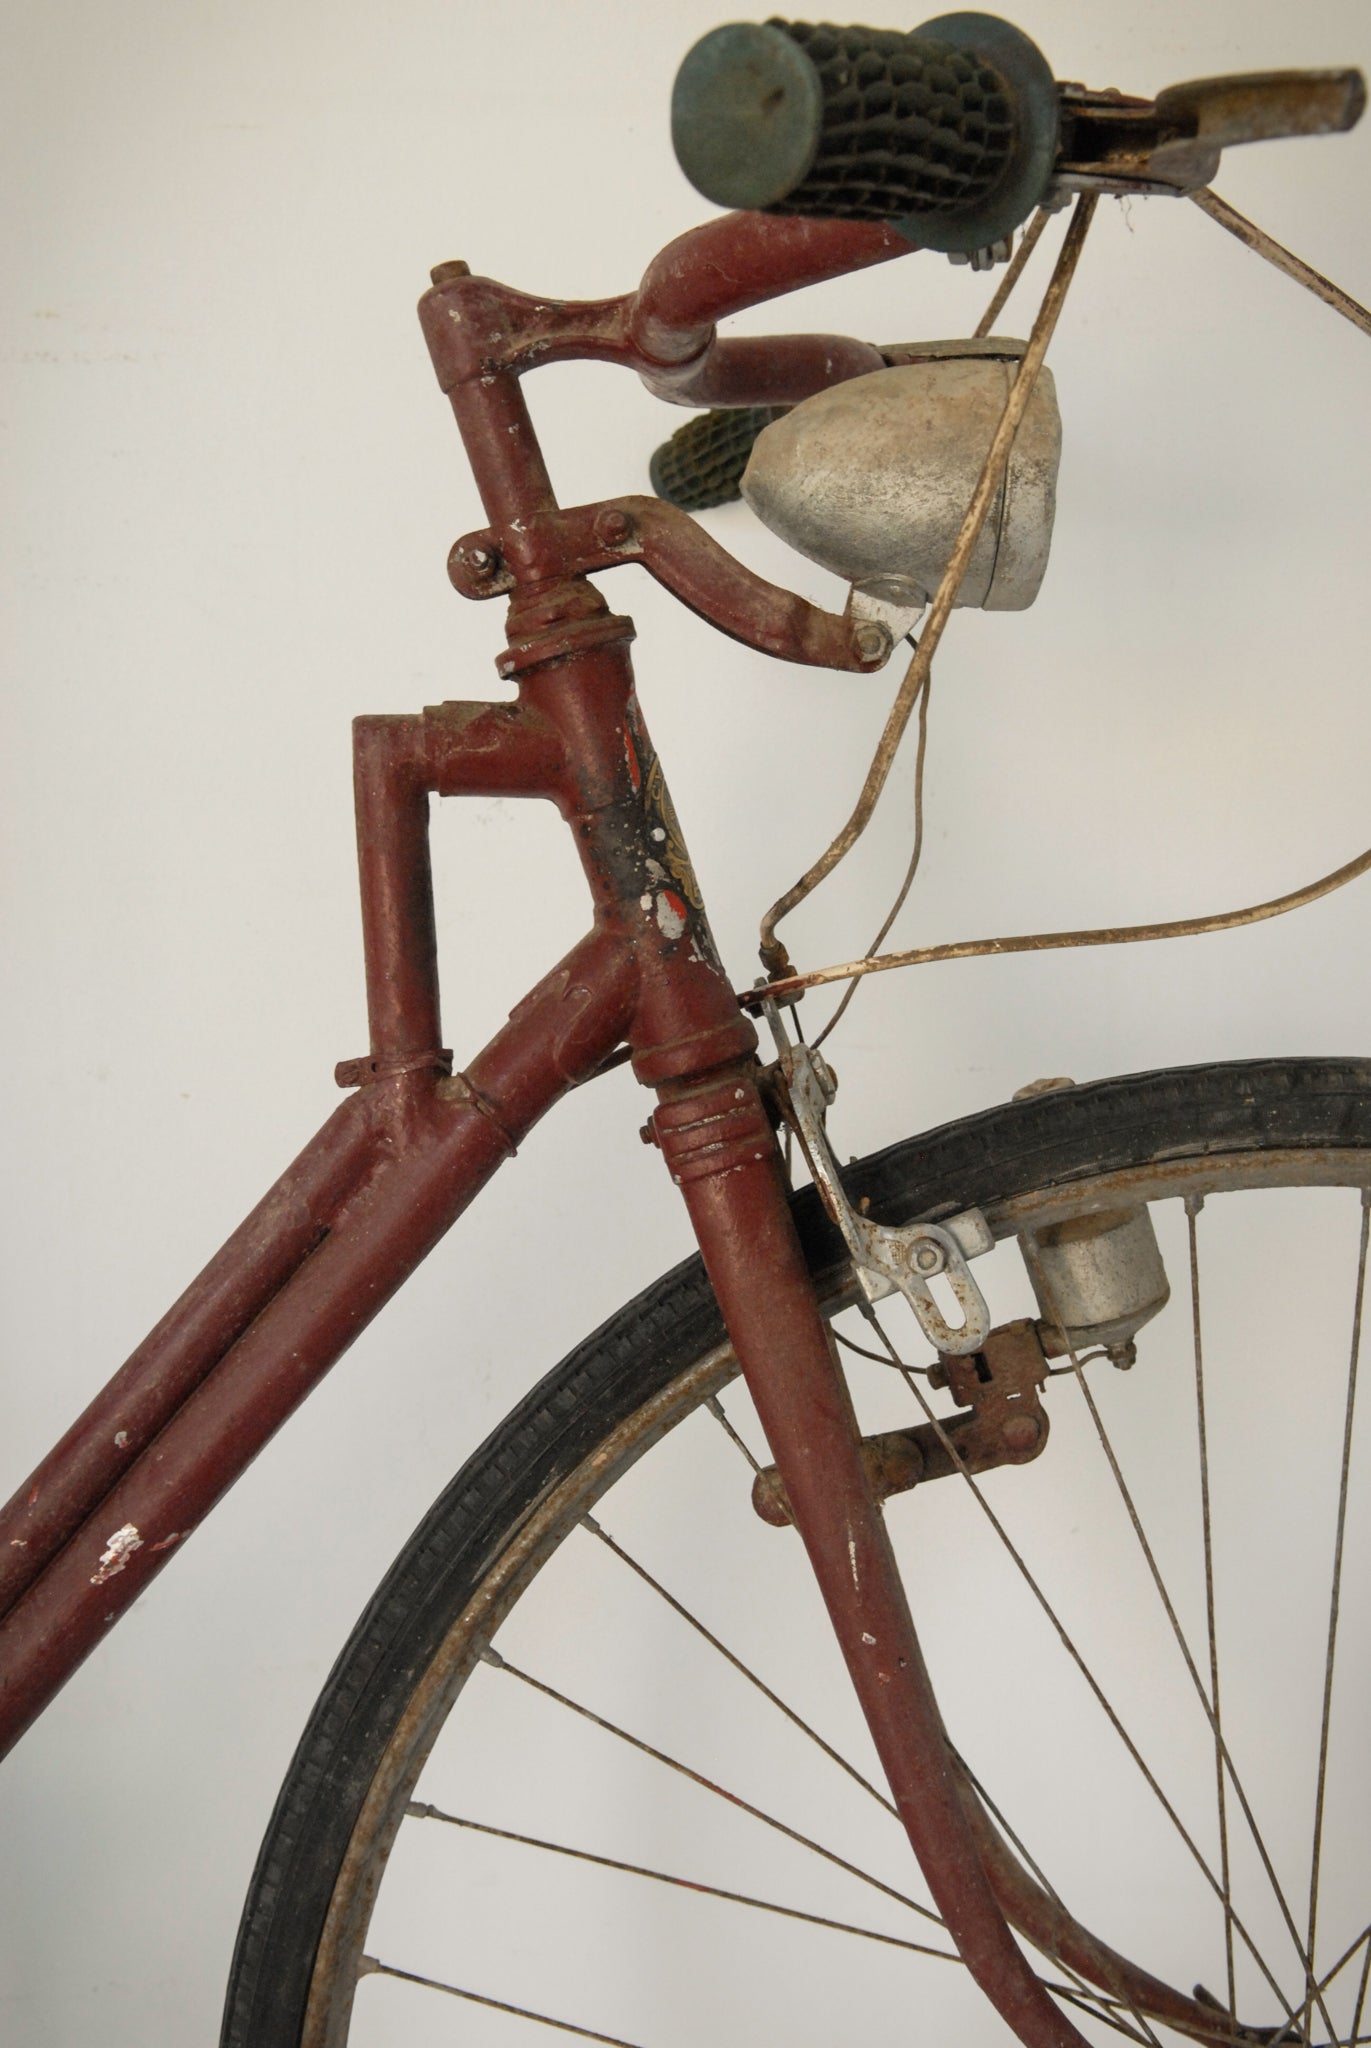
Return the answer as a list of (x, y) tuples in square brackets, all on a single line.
[(1020, 1433), (929, 1259), (872, 641)]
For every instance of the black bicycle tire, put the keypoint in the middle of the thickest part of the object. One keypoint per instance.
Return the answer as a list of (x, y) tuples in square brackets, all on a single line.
[(1022, 1147)]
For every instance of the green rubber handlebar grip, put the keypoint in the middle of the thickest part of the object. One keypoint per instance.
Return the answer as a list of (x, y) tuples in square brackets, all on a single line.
[(949, 133), (703, 462)]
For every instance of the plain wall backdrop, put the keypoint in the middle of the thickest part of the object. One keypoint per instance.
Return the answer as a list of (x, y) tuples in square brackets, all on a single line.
[(230, 487)]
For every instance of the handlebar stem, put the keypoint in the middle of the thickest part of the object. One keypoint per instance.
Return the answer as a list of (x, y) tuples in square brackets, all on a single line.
[(665, 330)]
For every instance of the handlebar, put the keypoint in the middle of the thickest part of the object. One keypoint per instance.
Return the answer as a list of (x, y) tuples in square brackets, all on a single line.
[(949, 133), (953, 134), (665, 330), (756, 108)]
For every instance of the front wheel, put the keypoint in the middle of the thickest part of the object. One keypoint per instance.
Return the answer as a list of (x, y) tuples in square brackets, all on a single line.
[(595, 1738)]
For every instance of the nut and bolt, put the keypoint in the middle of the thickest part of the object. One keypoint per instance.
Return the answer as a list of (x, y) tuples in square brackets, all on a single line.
[(825, 1076), (467, 564), (612, 527), (1020, 1433), (872, 641), (930, 1258)]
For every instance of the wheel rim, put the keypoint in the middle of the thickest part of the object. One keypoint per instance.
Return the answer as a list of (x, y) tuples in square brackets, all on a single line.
[(1263, 1177)]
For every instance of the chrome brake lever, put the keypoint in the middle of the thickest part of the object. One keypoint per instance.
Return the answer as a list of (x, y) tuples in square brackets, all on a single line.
[(1114, 143)]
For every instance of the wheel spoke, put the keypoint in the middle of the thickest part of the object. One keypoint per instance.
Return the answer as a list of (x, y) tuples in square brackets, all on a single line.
[(1335, 1591), (716, 1409), (500, 1663), (1220, 1884), (1083, 1993), (1345, 1958), (372, 1966), (1361, 1989), (745, 1670), (418, 1810), (1102, 1698), (1030, 1862), (1101, 2008), (1193, 1205)]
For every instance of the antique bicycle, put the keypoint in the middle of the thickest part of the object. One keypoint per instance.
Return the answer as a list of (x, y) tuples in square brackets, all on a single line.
[(1193, 1136)]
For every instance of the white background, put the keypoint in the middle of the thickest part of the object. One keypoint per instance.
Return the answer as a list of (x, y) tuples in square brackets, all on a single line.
[(231, 486)]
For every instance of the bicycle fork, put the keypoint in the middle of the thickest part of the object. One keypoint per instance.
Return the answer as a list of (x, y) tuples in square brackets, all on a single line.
[(718, 1143)]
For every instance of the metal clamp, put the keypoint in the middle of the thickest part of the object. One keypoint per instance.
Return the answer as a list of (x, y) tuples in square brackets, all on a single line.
[(888, 1258)]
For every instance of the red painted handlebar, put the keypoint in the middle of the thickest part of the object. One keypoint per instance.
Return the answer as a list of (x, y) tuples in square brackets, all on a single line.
[(666, 330)]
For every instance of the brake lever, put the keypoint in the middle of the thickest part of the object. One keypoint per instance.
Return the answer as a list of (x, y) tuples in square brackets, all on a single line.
[(1112, 142)]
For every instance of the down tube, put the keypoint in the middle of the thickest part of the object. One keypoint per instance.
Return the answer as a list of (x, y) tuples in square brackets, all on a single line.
[(442, 1140)]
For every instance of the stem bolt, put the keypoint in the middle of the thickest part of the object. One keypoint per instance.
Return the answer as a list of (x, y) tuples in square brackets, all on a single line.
[(612, 527)]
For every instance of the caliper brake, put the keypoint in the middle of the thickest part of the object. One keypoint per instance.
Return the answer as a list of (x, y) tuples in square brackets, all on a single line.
[(887, 1258)]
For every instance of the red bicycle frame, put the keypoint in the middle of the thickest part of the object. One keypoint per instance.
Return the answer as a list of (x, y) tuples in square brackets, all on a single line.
[(403, 1156)]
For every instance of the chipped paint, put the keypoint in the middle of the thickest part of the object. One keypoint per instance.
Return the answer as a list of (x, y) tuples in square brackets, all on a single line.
[(671, 914), (116, 1553), (167, 1541), (121, 1437)]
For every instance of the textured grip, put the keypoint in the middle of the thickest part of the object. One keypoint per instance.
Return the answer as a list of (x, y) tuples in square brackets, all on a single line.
[(949, 133), (909, 126), (703, 462)]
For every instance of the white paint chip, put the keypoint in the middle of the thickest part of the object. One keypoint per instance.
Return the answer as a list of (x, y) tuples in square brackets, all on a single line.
[(670, 921), (117, 1553)]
